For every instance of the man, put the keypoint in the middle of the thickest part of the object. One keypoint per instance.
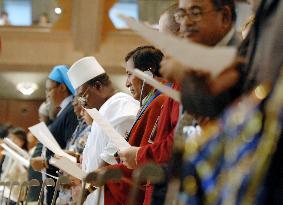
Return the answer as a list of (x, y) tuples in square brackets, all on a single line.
[(208, 22), (4, 19), (43, 116), (95, 90), (167, 21), (219, 92), (59, 92), (259, 183)]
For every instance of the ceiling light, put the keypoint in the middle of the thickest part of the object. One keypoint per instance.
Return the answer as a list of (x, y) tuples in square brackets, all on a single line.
[(27, 88), (58, 10)]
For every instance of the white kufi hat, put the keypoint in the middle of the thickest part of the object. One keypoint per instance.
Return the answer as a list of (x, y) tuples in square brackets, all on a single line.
[(84, 70)]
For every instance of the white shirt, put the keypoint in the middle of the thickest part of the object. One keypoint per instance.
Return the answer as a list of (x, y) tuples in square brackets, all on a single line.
[(120, 111)]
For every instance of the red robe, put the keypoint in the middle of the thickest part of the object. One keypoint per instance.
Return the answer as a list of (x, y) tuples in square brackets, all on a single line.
[(161, 150), (117, 193)]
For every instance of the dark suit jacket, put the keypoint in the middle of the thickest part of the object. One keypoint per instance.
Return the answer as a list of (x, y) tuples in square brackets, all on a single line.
[(62, 129)]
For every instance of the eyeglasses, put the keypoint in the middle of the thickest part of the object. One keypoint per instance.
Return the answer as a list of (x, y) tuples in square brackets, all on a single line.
[(194, 14), (47, 90), (83, 98)]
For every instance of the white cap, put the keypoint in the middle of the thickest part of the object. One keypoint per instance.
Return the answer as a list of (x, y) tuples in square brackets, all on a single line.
[(84, 70)]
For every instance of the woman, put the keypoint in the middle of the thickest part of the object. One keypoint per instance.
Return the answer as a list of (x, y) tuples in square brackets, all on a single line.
[(14, 171), (146, 59)]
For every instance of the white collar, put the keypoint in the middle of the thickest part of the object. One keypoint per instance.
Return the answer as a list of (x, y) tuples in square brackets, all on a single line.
[(64, 103), (225, 40)]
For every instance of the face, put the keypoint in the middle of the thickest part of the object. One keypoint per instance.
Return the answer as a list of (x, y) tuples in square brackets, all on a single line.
[(53, 93), (17, 140), (31, 140), (77, 107), (133, 83), (86, 96), (201, 22), (167, 26)]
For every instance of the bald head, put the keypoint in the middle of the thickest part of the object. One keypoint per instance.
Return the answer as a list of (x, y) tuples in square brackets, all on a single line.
[(167, 21)]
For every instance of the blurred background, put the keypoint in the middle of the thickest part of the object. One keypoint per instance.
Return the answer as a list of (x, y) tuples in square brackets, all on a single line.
[(38, 34)]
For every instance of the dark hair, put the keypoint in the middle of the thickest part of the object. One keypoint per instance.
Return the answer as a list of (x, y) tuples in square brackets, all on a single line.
[(103, 79), (218, 4), (4, 13), (146, 57), (4, 130), (20, 133)]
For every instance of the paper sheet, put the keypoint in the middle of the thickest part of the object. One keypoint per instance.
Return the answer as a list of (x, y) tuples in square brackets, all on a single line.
[(19, 150), (174, 94), (42, 133), (114, 136), (69, 167), (196, 56), (15, 155)]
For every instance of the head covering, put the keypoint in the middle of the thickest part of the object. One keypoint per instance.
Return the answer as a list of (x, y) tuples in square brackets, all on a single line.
[(43, 109), (84, 70), (59, 74)]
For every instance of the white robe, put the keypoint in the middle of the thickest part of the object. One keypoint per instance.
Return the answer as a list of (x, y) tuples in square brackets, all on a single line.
[(120, 111)]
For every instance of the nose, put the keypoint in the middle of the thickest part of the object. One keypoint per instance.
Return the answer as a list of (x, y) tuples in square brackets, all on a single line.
[(186, 21), (128, 82), (47, 95), (82, 112)]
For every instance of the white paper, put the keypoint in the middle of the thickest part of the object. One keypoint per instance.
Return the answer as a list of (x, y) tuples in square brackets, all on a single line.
[(42, 133), (113, 135), (69, 167), (196, 56), (19, 150), (16, 156), (174, 94)]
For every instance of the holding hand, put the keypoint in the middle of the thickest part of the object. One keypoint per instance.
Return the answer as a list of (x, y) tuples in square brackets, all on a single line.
[(129, 157), (38, 163)]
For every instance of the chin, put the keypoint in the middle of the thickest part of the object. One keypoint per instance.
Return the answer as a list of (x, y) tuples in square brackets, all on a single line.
[(137, 97)]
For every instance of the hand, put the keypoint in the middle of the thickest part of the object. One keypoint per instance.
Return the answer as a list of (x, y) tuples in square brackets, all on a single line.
[(128, 157), (74, 154), (38, 163), (73, 181), (172, 70)]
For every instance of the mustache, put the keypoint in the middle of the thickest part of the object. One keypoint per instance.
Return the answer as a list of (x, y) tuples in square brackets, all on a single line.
[(188, 29)]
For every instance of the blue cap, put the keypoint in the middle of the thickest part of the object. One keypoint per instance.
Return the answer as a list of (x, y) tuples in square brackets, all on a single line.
[(59, 74)]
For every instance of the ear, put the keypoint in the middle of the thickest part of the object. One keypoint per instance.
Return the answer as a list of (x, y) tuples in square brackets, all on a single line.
[(63, 87), (98, 85), (227, 16)]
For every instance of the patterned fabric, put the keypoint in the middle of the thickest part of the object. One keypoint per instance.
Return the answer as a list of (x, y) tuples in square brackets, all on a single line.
[(228, 163), (79, 137)]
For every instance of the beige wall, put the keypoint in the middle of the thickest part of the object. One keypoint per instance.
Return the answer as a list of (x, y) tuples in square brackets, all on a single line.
[(34, 49)]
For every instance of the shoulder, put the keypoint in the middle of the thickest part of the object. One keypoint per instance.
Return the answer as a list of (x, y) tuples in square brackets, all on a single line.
[(120, 105), (121, 101), (123, 98), (158, 101)]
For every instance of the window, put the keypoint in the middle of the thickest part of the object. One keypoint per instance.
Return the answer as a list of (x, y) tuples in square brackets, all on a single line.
[(19, 12), (125, 7)]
